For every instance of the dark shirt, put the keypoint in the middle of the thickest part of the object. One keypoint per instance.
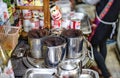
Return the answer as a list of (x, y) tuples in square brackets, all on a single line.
[(112, 14)]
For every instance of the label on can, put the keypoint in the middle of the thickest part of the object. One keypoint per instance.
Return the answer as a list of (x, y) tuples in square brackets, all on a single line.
[(41, 23), (75, 20), (56, 24), (41, 15), (35, 24), (65, 24), (75, 24), (27, 14)]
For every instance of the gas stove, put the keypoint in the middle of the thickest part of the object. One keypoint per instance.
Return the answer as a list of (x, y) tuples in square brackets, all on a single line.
[(18, 67), (18, 55), (21, 60)]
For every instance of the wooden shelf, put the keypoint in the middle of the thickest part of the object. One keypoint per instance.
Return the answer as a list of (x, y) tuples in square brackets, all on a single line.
[(46, 14), (30, 7), (44, 8)]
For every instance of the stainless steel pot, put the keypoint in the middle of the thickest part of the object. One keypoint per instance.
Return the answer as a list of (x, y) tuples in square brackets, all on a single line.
[(34, 39), (53, 54), (69, 69), (74, 42), (35, 47)]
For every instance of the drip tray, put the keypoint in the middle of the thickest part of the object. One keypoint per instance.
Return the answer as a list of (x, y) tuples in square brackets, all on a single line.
[(49, 73), (40, 73)]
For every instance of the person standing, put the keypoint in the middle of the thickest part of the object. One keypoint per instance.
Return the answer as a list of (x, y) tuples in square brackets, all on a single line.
[(107, 12)]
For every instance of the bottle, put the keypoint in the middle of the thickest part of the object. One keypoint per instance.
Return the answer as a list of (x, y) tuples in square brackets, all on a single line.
[(5, 65), (6, 16), (3, 57)]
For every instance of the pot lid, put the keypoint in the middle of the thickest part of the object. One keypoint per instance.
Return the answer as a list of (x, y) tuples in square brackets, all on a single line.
[(68, 65)]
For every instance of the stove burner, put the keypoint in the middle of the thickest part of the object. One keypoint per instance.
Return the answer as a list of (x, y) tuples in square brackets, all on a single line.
[(32, 62), (26, 63)]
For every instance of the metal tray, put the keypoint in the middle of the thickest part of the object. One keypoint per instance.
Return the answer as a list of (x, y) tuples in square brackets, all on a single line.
[(40, 73), (88, 73), (49, 73)]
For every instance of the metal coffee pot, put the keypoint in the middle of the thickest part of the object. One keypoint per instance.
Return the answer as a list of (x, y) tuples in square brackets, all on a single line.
[(69, 69), (53, 54), (35, 47), (74, 42)]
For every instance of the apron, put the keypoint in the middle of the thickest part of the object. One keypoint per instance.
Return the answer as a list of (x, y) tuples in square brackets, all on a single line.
[(99, 18)]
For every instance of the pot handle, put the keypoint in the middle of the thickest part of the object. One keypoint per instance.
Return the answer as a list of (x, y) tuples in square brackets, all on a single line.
[(90, 54), (56, 75), (63, 53), (80, 45), (80, 66)]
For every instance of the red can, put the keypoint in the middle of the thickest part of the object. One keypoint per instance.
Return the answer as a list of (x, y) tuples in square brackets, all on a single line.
[(56, 24), (75, 24)]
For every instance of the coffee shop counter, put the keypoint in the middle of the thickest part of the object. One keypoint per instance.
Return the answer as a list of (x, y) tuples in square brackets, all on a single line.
[(21, 59)]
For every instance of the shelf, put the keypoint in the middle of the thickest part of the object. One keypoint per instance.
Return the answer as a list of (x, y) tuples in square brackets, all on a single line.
[(30, 7), (44, 8)]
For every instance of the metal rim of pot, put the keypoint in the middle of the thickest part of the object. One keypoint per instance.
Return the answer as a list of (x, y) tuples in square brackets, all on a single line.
[(80, 33), (64, 41)]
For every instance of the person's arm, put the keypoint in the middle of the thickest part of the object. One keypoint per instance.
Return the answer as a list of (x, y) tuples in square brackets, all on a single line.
[(92, 2)]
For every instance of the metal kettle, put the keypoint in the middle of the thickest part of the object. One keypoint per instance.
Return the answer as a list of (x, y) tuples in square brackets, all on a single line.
[(69, 69)]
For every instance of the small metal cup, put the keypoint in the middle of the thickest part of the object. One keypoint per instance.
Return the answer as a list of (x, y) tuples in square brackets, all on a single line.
[(35, 47)]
